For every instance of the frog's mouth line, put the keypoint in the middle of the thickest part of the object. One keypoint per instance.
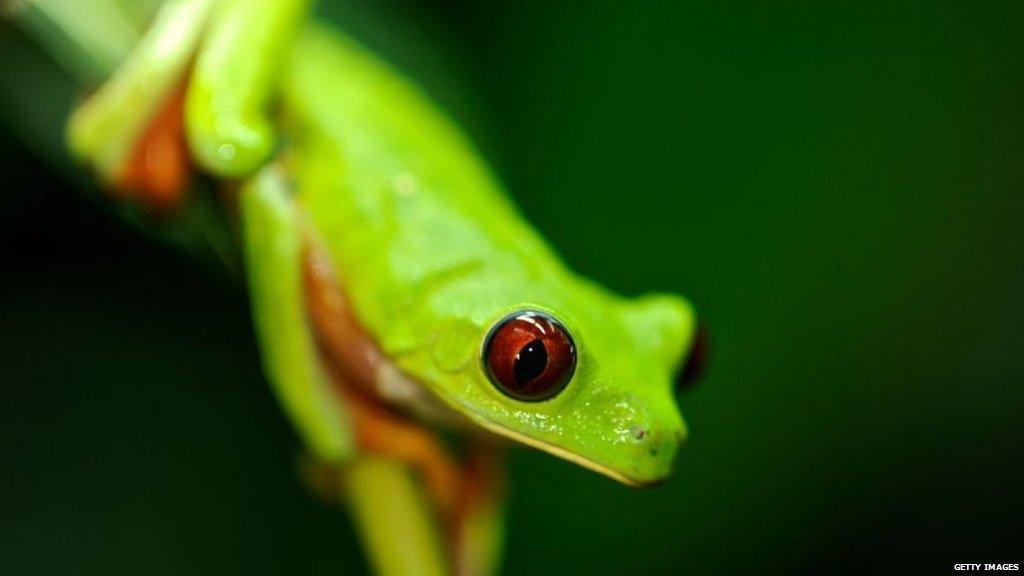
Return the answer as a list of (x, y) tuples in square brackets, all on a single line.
[(499, 430), (562, 453)]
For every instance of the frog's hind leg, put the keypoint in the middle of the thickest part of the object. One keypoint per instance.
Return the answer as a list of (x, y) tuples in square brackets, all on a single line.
[(129, 130), (156, 172)]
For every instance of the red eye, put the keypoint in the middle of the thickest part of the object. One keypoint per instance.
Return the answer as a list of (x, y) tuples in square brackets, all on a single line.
[(529, 356)]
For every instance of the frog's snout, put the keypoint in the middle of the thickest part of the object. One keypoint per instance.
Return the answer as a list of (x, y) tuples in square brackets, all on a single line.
[(651, 449)]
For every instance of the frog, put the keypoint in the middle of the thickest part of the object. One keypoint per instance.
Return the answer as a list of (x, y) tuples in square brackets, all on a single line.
[(400, 298)]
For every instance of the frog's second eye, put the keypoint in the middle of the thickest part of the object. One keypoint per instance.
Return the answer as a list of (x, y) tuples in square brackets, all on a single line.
[(696, 360), (529, 356)]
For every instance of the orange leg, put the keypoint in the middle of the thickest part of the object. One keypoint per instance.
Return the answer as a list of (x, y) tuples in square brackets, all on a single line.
[(345, 344), (467, 495), (352, 358), (156, 172), (381, 433)]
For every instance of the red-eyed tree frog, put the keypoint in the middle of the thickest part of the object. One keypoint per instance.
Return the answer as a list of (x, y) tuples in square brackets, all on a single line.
[(399, 297)]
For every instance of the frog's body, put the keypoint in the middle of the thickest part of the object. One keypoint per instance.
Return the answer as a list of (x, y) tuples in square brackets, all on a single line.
[(382, 254), (432, 254)]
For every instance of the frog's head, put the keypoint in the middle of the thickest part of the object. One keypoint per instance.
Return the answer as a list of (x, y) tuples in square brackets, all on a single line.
[(590, 379)]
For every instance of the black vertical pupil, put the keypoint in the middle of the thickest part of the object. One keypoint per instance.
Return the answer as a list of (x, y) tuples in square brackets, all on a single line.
[(530, 362)]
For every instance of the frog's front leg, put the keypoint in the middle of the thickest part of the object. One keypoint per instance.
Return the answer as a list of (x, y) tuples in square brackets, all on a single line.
[(273, 237), (355, 364), (466, 495), (343, 434)]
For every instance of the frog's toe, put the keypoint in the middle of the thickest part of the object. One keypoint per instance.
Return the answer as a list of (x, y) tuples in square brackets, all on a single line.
[(227, 145)]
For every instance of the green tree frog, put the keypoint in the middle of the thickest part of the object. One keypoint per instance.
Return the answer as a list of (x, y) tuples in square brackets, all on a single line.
[(399, 297)]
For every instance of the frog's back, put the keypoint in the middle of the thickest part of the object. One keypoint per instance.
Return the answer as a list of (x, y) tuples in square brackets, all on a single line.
[(401, 198)]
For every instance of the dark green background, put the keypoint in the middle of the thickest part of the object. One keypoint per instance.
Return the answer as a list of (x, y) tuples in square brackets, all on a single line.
[(837, 186)]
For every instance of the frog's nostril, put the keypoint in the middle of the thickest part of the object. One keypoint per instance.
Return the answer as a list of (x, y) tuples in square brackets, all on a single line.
[(638, 432)]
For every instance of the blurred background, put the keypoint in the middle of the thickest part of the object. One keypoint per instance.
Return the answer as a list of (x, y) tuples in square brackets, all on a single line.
[(837, 186)]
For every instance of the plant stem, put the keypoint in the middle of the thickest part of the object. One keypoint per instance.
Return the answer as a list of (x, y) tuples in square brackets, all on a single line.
[(394, 519), (88, 38)]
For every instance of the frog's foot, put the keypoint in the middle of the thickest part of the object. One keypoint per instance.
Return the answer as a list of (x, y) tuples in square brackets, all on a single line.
[(381, 433), (468, 496), (156, 171)]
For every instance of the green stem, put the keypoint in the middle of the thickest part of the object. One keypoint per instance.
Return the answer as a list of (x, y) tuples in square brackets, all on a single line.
[(394, 519), (88, 38)]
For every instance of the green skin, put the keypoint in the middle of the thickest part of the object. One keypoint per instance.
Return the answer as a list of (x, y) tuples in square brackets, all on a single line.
[(429, 251), (432, 255)]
